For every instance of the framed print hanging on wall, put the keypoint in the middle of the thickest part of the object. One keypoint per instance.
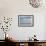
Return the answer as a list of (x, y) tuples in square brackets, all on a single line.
[(25, 20)]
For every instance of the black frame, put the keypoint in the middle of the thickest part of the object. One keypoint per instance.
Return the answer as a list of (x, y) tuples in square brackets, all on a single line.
[(19, 25)]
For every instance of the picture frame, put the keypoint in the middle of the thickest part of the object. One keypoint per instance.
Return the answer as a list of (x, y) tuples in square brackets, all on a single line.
[(25, 20)]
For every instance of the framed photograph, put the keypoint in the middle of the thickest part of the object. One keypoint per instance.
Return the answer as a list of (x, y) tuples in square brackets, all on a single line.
[(25, 20)]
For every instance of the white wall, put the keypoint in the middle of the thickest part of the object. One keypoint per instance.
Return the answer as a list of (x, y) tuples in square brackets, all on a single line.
[(13, 8)]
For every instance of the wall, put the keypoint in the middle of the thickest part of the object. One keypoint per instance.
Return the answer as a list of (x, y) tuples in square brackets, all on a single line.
[(13, 8)]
